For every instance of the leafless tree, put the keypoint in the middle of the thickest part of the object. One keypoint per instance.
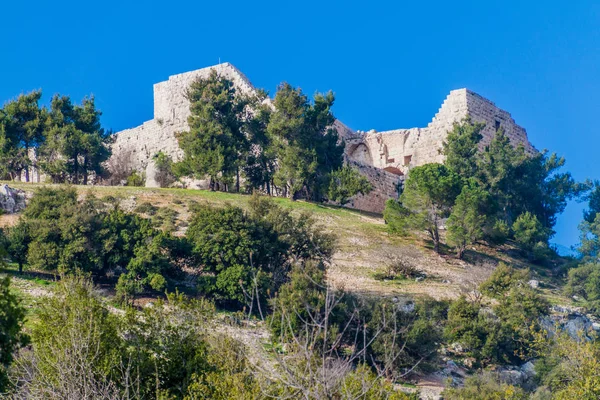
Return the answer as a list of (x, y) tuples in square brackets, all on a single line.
[(119, 166), (318, 359)]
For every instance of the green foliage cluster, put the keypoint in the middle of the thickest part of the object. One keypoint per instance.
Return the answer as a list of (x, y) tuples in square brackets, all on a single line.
[(12, 337), (244, 256), (59, 233), (499, 193), (167, 351), (485, 386), (164, 174), (345, 183), (388, 336), (68, 140), (291, 149), (429, 194), (136, 179), (508, 333)]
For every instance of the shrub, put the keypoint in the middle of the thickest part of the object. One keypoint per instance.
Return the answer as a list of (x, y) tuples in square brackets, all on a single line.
[(502, 280), (345, 183), (245, 254), (498, 233), (486, 386), (584, 281), (146, 208), (136, 179), (529, 231), (396, 217), (12, 337), (164, 170)]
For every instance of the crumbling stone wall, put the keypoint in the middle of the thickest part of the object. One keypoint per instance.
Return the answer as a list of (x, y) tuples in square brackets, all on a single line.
[(383, 157), (399, 150), (385, 186), (171, 111)]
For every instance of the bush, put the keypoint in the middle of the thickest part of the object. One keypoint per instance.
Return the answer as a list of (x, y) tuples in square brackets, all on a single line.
[(529, 231), (502, 280), (584, 281), (245, 255), (498, 233), (507, 335), (136, 179), (57, 233), (486, 386), (12, 337), (400, 269), (164, 170), (396, 217), (345, 183), (146, 208)]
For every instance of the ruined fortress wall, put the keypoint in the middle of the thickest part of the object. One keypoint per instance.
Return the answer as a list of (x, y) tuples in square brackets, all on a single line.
[(171, 111), (398, 150), (383, 157), (385, 186)]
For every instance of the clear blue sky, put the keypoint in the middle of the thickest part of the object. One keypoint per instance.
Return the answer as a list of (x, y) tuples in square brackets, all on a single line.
[(391, 64)]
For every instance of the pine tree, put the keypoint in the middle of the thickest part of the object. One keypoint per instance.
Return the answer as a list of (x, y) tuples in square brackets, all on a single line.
[(216, 143)]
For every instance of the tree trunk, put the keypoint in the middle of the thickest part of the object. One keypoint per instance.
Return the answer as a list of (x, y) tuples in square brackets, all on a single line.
[(85, 172), (436, 240), (237, 179), (20, 268), (268, 188), (211, 184)]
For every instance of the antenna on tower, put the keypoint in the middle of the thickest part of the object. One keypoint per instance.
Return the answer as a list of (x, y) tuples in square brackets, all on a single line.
[(219, 60)]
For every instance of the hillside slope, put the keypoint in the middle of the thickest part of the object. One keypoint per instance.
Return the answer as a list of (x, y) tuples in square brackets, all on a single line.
[(365, 249)]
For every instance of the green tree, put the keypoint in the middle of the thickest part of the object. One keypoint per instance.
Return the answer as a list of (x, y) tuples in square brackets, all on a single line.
[(429, 193), (164, 169), (593, 199), (397, 217), (305, 144), (345, 183), (519, 182), (76, 144), (461, 147), (12, 337), (18, 239), (589, 246), (217, 139), (22, 130), (502, 280), (465, 224), (529, 231), (260, 164)]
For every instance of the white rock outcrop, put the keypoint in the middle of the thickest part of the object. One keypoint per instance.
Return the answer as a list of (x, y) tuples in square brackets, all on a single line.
[(12, 200)]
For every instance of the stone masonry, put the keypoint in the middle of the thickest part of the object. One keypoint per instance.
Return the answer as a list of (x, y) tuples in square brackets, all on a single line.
[(383, 157), (398, 150)]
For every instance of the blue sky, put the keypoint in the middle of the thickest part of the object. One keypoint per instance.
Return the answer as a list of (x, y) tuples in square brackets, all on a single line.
[(390, 63)]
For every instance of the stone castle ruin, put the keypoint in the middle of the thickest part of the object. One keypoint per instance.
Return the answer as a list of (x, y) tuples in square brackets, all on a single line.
[(383, 157)]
